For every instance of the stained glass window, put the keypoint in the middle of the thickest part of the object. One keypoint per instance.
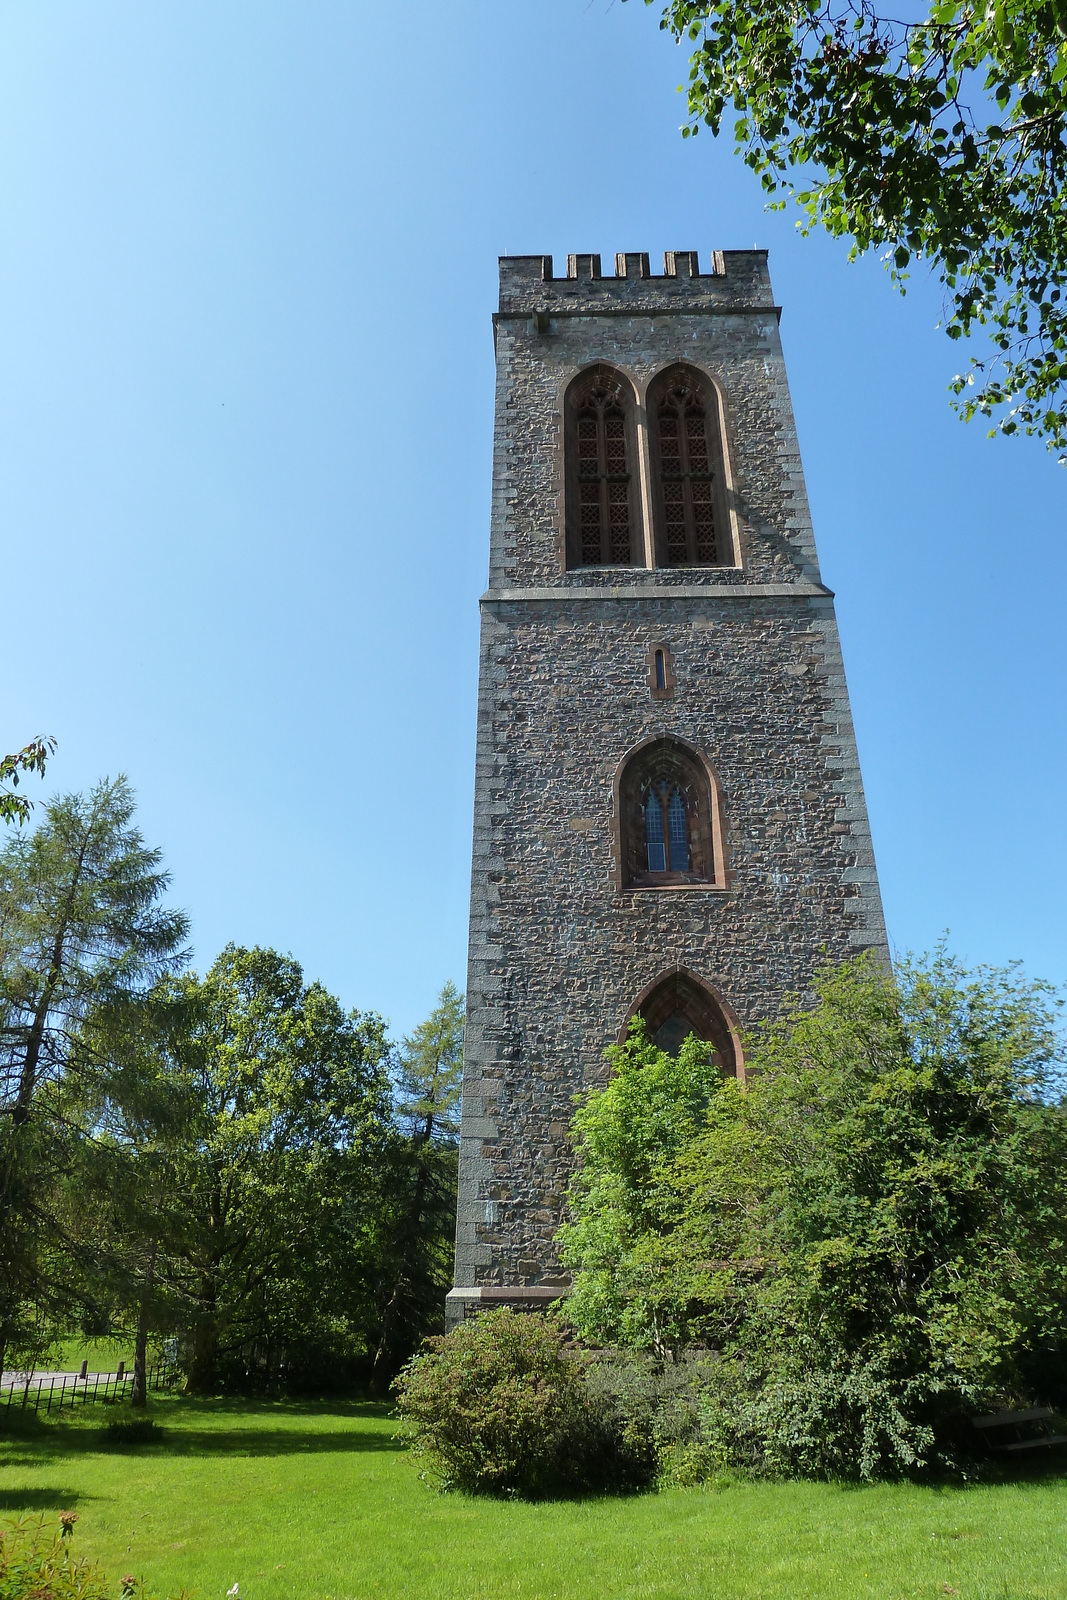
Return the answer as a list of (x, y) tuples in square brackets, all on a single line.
[(668, 847), (657, 849), (676, 834)]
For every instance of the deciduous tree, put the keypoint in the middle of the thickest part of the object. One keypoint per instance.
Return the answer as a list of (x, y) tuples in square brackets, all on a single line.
[(872, 1235), (937, 138), (31, 758), (280, 1170)]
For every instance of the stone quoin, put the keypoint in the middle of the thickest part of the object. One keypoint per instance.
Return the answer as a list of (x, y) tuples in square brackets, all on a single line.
[(669, 817)]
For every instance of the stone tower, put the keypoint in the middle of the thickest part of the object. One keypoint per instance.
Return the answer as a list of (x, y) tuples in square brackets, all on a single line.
[(669, 816)]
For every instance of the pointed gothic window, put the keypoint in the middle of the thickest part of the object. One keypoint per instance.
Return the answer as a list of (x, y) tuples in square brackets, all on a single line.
[(600, 477), (678, 1004), (669, 821), (690, 510)]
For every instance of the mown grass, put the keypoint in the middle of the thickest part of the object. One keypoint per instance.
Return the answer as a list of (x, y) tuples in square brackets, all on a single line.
[(103, 1355), (317, 1501)]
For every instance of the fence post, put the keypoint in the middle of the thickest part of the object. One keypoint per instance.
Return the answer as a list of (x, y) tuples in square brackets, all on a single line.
[(51, 1387), (25, 1394)]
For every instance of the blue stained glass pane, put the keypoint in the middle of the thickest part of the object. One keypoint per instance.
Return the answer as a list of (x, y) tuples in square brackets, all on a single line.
[(657, 850), (676, 830)]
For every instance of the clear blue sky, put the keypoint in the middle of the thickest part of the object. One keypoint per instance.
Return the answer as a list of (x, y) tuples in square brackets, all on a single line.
[(247, 268)]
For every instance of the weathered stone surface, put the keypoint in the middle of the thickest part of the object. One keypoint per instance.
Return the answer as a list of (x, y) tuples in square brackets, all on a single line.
[(558, 954)]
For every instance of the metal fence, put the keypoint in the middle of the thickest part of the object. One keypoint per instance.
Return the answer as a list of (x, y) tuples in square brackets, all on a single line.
[(72, 1388)]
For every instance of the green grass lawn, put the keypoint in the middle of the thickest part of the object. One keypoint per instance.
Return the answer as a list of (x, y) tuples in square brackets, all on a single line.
[(317, 1501)]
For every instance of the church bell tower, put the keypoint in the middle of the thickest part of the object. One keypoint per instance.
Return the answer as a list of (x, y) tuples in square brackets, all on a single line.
[(669, 818)]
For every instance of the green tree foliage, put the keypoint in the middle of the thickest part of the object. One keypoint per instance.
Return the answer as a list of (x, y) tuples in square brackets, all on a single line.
[(430, 1071), (83, 936), (938, 138), (626, 1237), (234, 1161), (31, 758), (273, 1243), (126, 1205), (871, 1237), (422, 1203)]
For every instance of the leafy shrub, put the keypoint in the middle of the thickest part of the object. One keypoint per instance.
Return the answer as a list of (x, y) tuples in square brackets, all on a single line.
[(121, 1431), (500, 1406), (821, 1419), (871, 1237), (36, 1564)]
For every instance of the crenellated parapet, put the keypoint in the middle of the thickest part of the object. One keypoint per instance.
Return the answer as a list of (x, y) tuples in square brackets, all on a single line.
[(738, 279)]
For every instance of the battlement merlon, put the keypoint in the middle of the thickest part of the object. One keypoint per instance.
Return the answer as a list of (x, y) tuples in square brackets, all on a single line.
[(739, 281)]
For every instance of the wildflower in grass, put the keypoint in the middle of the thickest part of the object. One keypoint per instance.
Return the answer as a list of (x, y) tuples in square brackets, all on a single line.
[(67, 1520)]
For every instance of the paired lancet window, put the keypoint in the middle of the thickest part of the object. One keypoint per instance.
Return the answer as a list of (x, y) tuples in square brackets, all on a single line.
[(600, 488), (603, 432), (666, 833), (686, 478)]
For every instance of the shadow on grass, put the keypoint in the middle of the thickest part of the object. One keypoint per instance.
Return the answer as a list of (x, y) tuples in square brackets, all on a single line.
[(199, 1428), (241, 1442), (20, 1501)]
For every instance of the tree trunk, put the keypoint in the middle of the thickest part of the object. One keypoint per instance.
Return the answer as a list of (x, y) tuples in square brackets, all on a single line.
[(139, 1395), (28, 1075), (204, 1361), (385, 1356)]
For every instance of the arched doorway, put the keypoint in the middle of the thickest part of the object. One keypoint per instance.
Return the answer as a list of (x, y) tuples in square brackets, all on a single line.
[(678, 1004)]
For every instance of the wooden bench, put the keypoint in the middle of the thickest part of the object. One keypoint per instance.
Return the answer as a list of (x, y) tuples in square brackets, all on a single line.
[(1029, 1430)]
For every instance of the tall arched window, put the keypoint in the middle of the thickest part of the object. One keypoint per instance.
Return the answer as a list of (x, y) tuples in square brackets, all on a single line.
[(668, 818), (601, 484), (691, 520)]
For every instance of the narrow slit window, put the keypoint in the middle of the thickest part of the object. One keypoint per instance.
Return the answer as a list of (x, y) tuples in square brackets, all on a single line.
[(661, 671)]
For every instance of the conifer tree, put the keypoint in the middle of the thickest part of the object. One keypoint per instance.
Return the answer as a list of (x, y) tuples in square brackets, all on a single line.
[(83, 934), (428, 1083)]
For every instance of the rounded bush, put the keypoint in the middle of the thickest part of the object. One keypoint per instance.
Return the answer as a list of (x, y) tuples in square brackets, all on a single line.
[(500, 1406)]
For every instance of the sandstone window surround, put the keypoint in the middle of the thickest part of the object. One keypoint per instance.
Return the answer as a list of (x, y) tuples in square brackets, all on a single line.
[(660, 663), (646, 475), (688, 501), (678, 1003), (669, 831)]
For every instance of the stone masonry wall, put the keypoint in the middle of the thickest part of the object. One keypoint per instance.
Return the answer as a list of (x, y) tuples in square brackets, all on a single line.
[(558, 954)]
